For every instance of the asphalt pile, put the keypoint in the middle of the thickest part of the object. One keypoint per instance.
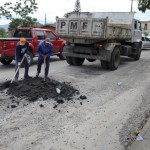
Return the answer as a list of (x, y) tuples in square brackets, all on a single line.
[(34, 88)]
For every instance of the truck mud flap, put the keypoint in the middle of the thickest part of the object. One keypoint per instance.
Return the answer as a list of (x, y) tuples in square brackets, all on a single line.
[(104, 57), (72, 51)]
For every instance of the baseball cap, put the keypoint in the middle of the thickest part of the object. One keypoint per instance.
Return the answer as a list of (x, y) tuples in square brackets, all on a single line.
[(47, 41), (22, 41)]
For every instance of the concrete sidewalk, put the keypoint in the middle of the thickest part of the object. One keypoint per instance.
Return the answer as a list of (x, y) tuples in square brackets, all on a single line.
[(145, 144)]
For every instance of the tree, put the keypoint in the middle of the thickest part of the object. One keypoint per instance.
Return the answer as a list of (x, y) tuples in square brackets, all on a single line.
[(2, 32), (27, 22), (67, 14), (14, 23), (77, 7), (21, 8), (144, 5)]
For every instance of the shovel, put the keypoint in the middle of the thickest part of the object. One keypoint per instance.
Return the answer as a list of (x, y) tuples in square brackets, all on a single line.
[(44, 67), (17, 70)]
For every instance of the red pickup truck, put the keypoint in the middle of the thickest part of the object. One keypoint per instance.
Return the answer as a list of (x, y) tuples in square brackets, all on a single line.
[(34, 36)]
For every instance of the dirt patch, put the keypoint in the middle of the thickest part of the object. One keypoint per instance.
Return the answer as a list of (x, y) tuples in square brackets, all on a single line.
[(34, 88)]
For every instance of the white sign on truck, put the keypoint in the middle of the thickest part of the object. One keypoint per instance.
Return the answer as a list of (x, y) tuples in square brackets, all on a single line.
[(82, 27)]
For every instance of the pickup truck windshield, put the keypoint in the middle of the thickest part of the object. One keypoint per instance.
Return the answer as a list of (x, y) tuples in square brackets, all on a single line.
[(23, 33)]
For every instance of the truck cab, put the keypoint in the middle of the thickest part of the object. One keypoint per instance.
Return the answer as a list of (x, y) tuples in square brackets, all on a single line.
[(136, 31)]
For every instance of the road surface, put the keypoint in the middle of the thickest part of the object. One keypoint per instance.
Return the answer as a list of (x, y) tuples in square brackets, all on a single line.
[(116, 103)]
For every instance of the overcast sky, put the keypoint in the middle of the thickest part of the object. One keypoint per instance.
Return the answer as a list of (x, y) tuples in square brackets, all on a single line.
[(60, 7)]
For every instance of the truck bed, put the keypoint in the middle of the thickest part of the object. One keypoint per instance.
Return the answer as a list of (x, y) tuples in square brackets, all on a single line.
[(91, 29)]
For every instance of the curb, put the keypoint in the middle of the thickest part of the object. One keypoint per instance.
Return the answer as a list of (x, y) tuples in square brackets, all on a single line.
[(145, 144)]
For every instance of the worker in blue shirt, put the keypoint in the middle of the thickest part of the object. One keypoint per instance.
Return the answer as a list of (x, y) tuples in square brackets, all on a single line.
[(45, 50), (21, 51)]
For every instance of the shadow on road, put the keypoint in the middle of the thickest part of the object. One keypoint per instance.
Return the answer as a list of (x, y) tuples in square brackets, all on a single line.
[(94, 68), (12, 65)]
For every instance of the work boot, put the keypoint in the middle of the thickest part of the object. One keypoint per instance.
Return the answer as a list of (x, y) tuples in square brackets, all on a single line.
[(27, 77), (46, 76), (37, 74), (16, 80)]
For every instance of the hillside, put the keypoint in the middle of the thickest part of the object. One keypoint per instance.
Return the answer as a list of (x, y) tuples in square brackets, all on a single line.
[(5, 26)]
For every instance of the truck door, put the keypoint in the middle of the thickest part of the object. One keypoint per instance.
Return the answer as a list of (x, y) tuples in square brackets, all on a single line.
[(54, 41), (136, 31), (40, 37)]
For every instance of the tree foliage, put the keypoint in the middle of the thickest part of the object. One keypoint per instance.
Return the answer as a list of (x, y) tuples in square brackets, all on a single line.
[(22, 8), (144, 5), (67, 14), (77, 7), (27, 22), (2, 32)]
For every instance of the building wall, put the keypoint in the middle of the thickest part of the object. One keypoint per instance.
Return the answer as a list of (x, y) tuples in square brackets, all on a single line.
[(145, 26)]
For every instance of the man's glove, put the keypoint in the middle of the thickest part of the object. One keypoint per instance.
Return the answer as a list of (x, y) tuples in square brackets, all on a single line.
[(19, 64), (25, 55)]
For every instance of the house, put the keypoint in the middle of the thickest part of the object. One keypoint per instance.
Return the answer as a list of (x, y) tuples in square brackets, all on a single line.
[(50, 26), (145, 25), (37, 25)]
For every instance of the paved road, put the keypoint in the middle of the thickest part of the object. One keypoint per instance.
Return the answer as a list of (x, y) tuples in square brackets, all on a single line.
[(112, 98)]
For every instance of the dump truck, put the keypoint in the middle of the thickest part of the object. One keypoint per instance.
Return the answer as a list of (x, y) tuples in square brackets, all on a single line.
[(103, 36)]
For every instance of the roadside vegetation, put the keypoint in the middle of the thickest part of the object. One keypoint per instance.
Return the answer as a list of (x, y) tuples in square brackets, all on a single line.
[(4, 33)]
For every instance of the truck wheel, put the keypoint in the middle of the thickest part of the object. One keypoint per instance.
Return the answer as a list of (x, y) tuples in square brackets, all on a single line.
[(61, 56), (69, 60), (29, 58), (138, 55), (90, 60), (115, 59), (77, 61), (105, 64), (6, 61)]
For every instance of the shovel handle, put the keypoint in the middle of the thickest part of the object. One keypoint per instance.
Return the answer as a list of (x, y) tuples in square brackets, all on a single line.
[(17, 69), (44, 66)]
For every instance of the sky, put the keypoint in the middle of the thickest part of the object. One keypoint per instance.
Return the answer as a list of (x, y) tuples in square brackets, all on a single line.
[(60, 7)]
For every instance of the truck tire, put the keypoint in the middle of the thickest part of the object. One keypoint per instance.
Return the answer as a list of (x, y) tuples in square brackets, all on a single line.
[(90, 60), (61, 57), (30, 58), (6, 61), (104, 64), (115, 59), (138, 55), (69, 60), (77, 61)]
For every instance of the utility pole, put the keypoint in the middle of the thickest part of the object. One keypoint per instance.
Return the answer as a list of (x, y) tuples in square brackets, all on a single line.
[(45, 18), (132, 4)]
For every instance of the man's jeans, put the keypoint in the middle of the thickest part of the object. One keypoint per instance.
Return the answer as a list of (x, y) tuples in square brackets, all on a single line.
[(40, 61), (26, 66)]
